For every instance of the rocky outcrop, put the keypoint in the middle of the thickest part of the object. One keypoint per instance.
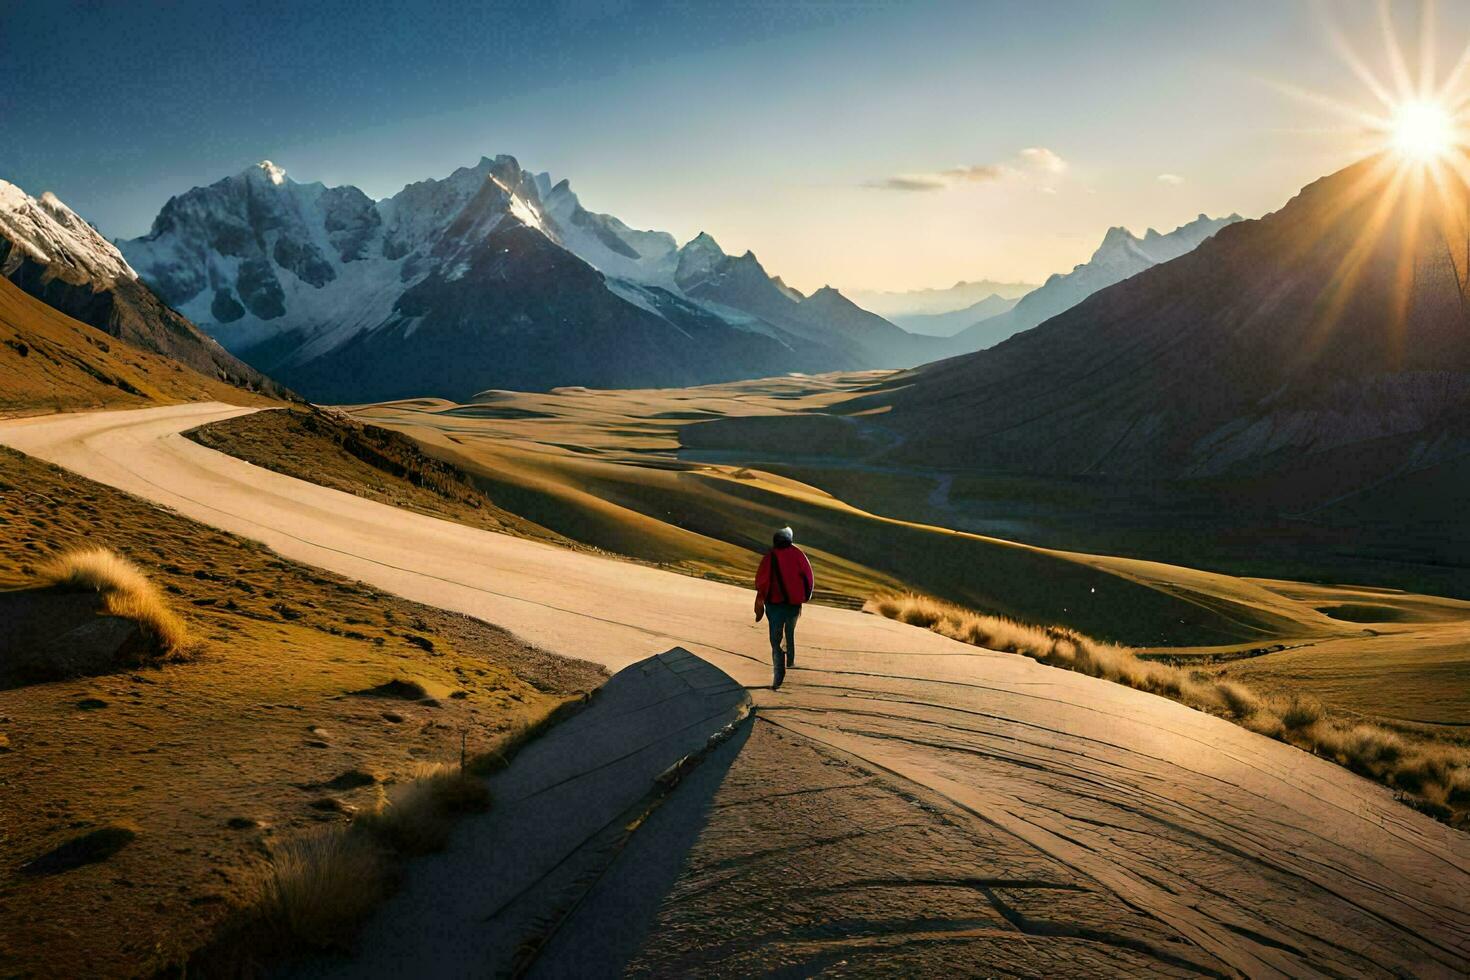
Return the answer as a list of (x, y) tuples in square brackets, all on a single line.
[(52, 635)]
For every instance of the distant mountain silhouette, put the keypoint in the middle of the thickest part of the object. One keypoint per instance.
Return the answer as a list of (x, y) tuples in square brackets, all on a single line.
[(930, 302), (951, 323), (1121, 254)]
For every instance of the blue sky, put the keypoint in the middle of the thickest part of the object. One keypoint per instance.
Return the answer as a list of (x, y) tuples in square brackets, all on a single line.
[(867, 145)]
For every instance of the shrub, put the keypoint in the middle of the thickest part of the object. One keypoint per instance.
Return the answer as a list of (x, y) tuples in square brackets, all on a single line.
[(125, 591), (1301, 712)]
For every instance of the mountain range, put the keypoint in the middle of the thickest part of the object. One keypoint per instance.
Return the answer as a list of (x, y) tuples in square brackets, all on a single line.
[(49, 252), (951, 323), (1329, 339), (894, 304), (1121, 254), (494, 277)]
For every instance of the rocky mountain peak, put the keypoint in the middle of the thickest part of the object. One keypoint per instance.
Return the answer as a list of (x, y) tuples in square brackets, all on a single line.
[(267, 171), (493, 257), (704, 241), (53, 235), (791, 292), (697, 259)]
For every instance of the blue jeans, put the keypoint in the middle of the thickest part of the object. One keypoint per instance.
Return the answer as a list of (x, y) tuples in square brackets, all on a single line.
[(781, 617)]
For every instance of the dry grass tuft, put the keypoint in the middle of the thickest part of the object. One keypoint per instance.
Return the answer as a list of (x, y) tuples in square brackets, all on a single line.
[(499, 753), (319, 888), (94, 570), (1299, 713), (1240, 701), (416, 816), (1436, 774), (126, 592)]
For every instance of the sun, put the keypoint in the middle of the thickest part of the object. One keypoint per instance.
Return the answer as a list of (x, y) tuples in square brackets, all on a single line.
[(1422, 131), (1415, 111)]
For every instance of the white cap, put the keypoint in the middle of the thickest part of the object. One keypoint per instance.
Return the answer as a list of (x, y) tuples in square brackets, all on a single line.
[(786, 533)]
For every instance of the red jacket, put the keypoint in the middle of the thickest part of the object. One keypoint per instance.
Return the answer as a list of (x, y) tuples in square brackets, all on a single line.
[(793, 585)]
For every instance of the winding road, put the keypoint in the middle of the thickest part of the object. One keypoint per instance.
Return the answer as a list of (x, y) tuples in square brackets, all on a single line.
[(947, 806)]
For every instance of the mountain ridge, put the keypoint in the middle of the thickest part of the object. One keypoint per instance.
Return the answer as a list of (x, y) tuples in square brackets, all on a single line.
[(51, 253), (1294, 335), (950, 323), (931, 301), (1120, 254), (311, 282)]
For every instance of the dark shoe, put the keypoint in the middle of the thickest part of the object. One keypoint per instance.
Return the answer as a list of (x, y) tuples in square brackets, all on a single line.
[(791, 660)]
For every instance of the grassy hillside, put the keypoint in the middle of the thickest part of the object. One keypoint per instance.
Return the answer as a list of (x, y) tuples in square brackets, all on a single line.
[(337, 451), (145, 802), (598, 468), (52, 363), (717, 519), (604, 469)]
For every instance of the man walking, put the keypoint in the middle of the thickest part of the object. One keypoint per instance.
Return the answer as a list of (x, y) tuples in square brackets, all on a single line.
[(782, 583)]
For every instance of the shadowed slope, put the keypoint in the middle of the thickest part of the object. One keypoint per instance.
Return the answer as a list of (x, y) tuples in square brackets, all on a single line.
[(50, 252), (1339, 319), (50, 362)]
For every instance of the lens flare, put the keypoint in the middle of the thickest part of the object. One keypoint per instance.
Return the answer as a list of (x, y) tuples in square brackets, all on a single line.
[(1422, 131)]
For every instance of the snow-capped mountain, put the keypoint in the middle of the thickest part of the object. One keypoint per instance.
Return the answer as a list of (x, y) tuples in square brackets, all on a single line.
[(741, 285), (1121, 255), (50, 252), (47, 232), (602, 240), (491, 277)]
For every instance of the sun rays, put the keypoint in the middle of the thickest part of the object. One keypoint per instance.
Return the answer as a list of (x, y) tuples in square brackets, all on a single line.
[(1410, 110), (1414, 123)]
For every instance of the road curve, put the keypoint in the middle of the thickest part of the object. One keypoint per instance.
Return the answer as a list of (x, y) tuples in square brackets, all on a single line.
[(1183, 843)]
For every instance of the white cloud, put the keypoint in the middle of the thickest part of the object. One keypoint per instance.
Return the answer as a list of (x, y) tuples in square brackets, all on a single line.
[(1173, 180), (976, 172), (1033, 159), (1043, 159)]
